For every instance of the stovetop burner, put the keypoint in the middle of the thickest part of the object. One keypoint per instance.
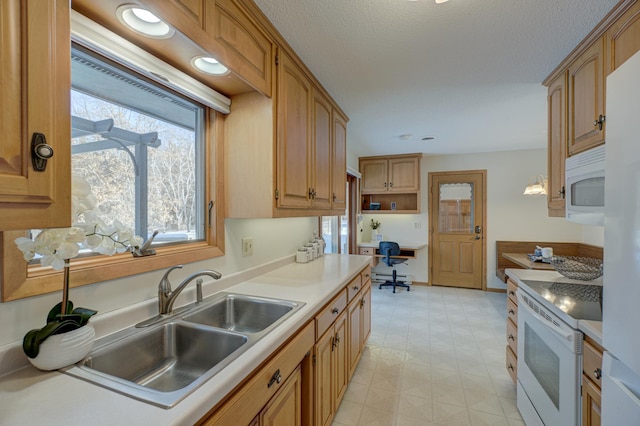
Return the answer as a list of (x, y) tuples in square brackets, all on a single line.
[(580, 301)]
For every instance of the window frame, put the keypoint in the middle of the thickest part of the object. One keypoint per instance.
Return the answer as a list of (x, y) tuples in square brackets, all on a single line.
[(20, 280)]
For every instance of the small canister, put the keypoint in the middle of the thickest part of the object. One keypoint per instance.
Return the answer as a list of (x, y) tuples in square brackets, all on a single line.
[(302, 255), (316, 248), (312, 251)]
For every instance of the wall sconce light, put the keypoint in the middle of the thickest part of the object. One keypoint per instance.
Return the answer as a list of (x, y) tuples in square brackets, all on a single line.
[(537, 186)]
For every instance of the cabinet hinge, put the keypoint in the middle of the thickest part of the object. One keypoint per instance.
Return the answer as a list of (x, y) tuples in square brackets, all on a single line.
[(277, 194), (313, 360), (277, 60)]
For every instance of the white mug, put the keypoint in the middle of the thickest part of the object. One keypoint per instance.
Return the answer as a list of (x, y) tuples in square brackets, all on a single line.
[(547, 252)]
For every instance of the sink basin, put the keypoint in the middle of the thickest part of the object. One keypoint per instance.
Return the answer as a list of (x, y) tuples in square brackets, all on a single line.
[(163, 363), (175, 354), (244, 314)]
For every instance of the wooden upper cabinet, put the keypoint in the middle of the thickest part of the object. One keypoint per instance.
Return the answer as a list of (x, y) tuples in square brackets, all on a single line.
[(339, 162), (244, 47), (404, 174), (374, 175), (557, 145), (35, 98), (294, 129), (225, 30), (399, 173), (586, 99), (321, 164), (623, 38)]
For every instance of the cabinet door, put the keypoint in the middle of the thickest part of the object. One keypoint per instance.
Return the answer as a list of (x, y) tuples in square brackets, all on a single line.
[(403, 174), (339, 163), (374, 175), (294, 153), (590, 403), (623, 38), (321, 163), (586, 99), (355, 338), (557, 146), (285, 408), (341, 375), (323, 374), (242, 46), (35, 98), (366, 315)]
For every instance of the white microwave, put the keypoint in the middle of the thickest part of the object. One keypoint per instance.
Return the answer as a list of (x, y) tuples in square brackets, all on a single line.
[(584, 187)]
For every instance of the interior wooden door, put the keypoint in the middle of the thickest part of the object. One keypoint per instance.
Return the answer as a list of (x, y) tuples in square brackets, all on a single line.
[(457, 214)]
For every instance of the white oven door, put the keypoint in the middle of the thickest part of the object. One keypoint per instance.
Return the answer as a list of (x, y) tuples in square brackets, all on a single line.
[(549, 363)]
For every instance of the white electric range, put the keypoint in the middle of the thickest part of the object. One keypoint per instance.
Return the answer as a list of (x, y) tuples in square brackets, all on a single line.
[(550, 307)]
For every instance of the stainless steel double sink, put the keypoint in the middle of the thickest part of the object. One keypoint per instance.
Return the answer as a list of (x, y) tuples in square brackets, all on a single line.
[(164, 363)]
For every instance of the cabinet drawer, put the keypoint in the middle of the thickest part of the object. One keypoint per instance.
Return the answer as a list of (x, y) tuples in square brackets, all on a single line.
[(592, 363), (365, 275), (512, 336), (354, 287), (512, 311), (367, 250), (512, 364), (512, 287), (249, 400), (328, 315)]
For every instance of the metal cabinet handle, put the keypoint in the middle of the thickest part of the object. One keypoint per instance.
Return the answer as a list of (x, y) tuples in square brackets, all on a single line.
[(276, 378), (512, 312), (510, 367), (390, 184), (597, 373), (561, 193), (356, 288), (41, 151), (335, 311), (362, 302), (511, 337), (512, 293), (600, 121)]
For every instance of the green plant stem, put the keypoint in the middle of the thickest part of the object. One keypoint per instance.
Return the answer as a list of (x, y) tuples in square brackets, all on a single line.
[(65, 288)]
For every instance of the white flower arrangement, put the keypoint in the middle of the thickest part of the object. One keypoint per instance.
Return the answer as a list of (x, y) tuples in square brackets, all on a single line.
[(58, 245), (89, 230)]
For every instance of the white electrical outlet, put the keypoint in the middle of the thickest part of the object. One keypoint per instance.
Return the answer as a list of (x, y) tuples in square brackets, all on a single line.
[(247, 246), (417, 225)]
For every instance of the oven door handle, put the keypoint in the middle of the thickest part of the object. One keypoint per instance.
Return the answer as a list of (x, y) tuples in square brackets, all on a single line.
[(567, 335)]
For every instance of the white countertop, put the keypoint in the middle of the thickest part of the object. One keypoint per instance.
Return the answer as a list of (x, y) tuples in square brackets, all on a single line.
[(29, 396), (404, 245), (590, 328)]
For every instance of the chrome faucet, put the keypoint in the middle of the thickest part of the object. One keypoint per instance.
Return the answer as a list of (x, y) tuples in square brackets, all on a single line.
[(166, 296)]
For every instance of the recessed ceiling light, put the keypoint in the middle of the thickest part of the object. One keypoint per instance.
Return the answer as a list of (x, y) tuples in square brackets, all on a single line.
[(209, 65), (144, 22)]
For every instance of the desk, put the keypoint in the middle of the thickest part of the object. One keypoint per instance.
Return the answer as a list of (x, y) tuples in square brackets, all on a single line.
[(407, 250)]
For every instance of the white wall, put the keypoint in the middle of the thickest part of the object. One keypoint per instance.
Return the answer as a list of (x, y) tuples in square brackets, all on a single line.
[(273, 239), (510, 215)]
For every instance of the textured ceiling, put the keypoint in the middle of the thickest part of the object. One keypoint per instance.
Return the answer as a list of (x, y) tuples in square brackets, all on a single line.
[(467, 72)]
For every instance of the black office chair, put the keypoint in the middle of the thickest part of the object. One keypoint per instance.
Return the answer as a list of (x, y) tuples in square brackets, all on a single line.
[(390, 249)]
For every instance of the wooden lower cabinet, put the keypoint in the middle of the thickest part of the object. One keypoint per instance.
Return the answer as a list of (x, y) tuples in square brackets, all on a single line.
[(305, 380), (331, 373), (263, 387), (359, 325), (512, 330), (591, 382), (285, 408)]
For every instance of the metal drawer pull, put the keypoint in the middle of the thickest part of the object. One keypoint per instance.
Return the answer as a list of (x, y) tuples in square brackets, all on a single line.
[(511, 337), (597, 373), (276, 378), (512, 312), (510, 367), (356, 288), (335, 311)]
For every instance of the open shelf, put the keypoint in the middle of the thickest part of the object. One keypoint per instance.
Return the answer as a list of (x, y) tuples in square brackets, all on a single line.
[(404, 203)]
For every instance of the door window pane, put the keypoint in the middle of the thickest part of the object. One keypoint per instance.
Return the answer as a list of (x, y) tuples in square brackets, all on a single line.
[(455, 208)]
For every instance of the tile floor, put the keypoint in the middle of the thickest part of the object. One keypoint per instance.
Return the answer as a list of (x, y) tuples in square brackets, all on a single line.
[(436, 356)]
